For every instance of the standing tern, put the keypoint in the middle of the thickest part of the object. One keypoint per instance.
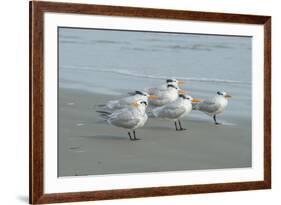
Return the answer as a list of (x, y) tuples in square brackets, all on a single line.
[(129, 118), (213, 106), (176, 110)]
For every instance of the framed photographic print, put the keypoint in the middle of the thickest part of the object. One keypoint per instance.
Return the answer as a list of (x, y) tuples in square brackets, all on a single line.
[(138, 102)]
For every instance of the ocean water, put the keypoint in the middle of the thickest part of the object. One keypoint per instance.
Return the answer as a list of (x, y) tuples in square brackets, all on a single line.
[(115, 62)]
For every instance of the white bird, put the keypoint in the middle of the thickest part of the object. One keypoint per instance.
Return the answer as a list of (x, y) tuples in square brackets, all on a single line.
[(176, 110), (126, 101), (164, 96), (213, 106), (129, 118)]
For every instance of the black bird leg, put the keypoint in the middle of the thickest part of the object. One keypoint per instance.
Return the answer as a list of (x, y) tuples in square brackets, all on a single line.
[(181, 126), (130, 136), (135, 138), (215, 119), (176, 125)]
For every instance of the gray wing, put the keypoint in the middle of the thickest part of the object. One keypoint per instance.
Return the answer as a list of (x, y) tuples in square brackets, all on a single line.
[(208, 106), (125, 119), (171, 111)]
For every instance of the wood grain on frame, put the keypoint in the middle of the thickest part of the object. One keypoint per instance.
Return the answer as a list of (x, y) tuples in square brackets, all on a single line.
[(36, 166)]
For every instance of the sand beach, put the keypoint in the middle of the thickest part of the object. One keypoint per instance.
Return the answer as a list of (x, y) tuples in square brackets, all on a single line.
[(89, 146)]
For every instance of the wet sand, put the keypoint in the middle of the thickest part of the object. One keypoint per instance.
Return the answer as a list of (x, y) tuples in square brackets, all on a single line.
[(89, 146)]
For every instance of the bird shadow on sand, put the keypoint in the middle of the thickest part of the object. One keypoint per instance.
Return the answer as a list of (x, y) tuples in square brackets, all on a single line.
[(105, 137)]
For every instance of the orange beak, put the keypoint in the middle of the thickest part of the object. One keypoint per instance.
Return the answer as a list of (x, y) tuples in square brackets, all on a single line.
[(180, 82), (228, 96), (152, 97), (181, 91), (184, 91), (196, 100)]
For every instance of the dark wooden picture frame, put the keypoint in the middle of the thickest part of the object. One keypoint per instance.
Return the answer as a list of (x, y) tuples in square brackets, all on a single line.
[(37, 10)]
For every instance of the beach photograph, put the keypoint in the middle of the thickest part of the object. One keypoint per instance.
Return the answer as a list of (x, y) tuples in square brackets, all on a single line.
[(148, 101)]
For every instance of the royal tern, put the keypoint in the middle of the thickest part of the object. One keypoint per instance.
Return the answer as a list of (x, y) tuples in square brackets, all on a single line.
[(129, 118), (126, 101), (165, 96), (213, 106), (176, 110)]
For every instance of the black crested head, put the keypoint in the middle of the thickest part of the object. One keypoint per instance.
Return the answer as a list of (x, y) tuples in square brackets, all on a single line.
[(171, 86), (170, 81), (182, 96), (144, 102), (139, 93), (219, 93)]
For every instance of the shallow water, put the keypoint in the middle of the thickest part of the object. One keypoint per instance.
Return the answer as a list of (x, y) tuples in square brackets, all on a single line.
[(115, 62)]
